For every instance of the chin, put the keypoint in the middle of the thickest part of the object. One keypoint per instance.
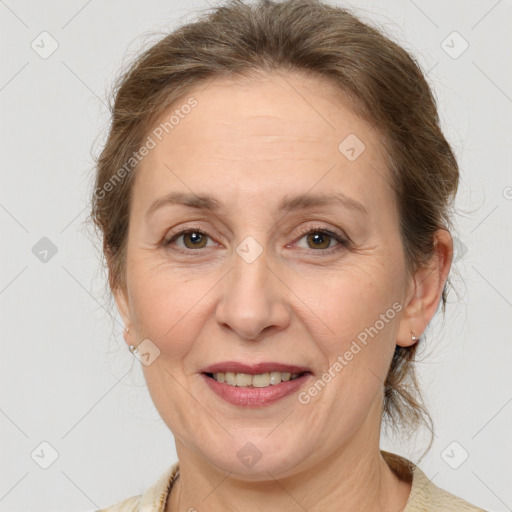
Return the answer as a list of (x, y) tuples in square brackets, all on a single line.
[(255, 457)]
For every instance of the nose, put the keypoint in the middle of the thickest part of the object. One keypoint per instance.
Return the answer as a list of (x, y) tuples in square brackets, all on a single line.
[(254, 299)]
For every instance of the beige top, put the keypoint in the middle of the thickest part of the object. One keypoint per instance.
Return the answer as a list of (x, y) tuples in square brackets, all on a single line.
[(424, 497)]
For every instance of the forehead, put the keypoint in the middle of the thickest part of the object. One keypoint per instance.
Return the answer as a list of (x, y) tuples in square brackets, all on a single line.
[(271, 108), (263, 135)]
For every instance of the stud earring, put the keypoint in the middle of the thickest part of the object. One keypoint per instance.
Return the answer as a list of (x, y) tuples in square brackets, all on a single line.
[(413, 336), (131, 348)]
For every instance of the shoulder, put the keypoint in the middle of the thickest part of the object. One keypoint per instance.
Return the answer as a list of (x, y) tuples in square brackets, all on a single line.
[(153, 499), (425, 496), (128, 505)]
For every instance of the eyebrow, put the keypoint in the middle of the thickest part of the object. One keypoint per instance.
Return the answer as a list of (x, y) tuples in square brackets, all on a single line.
[(302, 201)]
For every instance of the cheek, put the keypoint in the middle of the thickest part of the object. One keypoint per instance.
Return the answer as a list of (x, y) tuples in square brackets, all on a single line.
[(354, 302), (170, 306), (360, 310)]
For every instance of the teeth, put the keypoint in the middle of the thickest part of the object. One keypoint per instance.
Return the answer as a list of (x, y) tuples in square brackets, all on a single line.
[(275, 378), (261, 380), (230, 378), (243, 379)]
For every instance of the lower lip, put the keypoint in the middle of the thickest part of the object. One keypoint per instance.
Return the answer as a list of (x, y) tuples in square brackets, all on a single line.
[(255, 397)]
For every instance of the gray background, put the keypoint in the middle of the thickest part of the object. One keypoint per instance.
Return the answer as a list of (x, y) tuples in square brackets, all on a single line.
[(66, 376)]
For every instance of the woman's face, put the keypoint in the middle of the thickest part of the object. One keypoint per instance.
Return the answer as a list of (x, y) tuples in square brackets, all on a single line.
[(249, 286)]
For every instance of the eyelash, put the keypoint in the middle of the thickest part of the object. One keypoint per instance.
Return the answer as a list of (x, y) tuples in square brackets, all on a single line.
[(343, 242)]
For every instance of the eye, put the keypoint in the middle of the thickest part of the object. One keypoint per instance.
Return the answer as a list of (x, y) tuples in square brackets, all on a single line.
[(317, 238), (321, 239), (193, 238)]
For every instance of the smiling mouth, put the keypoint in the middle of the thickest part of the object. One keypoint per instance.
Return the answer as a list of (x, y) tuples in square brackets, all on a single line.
[(260, 380)]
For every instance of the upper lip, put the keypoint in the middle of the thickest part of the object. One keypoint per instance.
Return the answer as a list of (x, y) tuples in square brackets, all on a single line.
[(254, 369)]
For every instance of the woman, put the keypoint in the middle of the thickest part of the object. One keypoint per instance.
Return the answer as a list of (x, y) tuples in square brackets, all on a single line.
[(274, 198)]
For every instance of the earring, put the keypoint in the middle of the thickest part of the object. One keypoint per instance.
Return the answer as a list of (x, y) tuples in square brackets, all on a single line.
[(413, 336), (131, 348)]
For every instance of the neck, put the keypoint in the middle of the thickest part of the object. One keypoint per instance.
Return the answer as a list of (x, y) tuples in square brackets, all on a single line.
[(355, 477)]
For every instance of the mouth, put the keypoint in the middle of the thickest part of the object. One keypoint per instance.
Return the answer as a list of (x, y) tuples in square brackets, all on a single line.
[(260, 380), (254, 385)]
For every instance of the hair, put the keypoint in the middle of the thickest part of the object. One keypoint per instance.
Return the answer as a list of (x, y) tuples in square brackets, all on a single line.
[(385, 86)]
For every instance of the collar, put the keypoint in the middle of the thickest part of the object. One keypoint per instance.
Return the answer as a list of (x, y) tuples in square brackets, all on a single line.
[(154, 499)]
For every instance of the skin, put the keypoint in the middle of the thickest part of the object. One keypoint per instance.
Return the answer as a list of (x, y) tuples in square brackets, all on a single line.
[(250, 143)]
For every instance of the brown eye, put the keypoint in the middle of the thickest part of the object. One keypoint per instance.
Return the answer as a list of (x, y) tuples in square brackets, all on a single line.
[(197, 240), (319, 240), (192, 239)]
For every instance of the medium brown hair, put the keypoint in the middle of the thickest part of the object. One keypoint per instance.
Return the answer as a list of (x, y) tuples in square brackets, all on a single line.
[(383, 81)]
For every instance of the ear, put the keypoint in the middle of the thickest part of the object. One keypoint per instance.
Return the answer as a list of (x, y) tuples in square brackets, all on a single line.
[(119, 290), (425, 290), (122, 303)]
